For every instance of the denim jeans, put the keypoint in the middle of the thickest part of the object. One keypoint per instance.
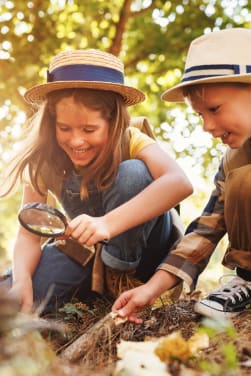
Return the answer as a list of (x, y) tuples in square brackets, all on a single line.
[(141, 248), (123, 252)]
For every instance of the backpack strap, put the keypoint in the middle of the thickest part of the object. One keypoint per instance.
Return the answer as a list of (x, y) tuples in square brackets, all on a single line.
[(142, 123)]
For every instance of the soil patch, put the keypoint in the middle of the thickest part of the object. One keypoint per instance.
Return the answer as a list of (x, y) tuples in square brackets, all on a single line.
[(229, 352)]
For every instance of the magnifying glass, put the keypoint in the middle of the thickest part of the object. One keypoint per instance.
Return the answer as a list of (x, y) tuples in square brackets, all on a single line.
[(47, 221), (42, 219)]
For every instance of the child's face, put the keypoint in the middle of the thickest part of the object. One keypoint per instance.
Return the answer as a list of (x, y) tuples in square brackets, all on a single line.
[(225, 111), (81, 132)]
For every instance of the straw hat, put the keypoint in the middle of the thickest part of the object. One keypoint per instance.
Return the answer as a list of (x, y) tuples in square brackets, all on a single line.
[(220, 56), (91, 69)]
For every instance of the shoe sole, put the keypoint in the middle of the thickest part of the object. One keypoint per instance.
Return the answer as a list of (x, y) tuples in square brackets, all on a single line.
[(213, 313)]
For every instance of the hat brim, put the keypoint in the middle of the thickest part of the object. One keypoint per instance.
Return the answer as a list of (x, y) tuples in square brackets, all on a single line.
[(175, 94), (38, 93)]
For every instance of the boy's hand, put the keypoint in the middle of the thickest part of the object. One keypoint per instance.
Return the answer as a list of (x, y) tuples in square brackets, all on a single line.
[(131, 302)]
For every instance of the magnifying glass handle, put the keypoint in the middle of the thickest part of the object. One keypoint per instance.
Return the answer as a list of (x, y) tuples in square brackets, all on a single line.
[(64, 237), (78, 252)]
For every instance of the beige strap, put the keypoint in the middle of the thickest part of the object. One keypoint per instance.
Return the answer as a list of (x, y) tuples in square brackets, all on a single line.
[(98, 271), (142, 123)]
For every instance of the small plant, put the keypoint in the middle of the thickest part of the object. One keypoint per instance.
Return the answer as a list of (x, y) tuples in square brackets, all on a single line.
[(75, 310)]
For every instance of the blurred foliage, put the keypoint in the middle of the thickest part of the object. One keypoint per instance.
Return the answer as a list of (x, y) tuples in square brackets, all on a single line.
[(150, 36), (24, 351), (8, 228), (222, 334)]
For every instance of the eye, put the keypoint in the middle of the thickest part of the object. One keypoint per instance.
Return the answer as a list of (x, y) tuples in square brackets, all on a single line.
[(88, 130), (62, 128), (214, 109)]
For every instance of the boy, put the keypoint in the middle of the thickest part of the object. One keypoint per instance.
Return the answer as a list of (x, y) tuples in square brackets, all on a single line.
[(217, 83)]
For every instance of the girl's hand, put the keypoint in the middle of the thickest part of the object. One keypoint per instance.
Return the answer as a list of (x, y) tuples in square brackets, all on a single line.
[(131, 302), (23, 292), (88, 230)]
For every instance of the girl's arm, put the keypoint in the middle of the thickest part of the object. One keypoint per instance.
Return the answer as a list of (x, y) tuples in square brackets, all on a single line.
[(26, 255), (169, 187)]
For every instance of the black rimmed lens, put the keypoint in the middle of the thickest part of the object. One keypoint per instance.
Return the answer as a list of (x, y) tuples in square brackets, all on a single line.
[(42, 219)]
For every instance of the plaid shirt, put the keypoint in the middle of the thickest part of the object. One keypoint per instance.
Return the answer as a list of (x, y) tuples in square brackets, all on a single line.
[(192, 253)]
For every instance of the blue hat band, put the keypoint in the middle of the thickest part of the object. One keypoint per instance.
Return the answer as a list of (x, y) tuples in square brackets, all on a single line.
[(199, 72), (82, 72)]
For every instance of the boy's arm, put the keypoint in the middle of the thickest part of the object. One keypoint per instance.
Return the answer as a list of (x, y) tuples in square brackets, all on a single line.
[(192, 254), (132, 301)]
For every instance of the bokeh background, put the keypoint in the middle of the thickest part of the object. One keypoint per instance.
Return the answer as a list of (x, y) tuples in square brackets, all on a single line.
[(151, 38)]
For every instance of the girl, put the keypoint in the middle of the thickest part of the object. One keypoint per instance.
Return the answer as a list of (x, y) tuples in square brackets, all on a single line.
[(75, 148)]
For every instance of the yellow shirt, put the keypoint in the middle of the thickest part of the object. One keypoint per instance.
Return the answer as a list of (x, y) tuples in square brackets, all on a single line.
[(138, 141)]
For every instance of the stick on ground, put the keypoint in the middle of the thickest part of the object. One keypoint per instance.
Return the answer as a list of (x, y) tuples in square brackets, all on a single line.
[(88, 340)]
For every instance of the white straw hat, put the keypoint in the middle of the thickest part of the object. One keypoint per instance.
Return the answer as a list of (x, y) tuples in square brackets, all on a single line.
[(91, 69), (217, 57)]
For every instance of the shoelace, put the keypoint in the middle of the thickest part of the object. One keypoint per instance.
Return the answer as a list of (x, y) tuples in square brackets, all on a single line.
[(232, 290)]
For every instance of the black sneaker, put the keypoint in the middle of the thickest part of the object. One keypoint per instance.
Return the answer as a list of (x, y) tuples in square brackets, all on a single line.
[(231, 299)]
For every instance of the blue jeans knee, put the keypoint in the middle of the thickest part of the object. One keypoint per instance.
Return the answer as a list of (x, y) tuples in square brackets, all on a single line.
[(124, 252), (132, 177)]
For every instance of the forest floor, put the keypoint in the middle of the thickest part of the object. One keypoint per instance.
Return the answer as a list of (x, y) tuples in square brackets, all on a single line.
[(228, 352), (22, 353)]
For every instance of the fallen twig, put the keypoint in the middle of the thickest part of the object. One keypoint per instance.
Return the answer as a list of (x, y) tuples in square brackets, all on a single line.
[(88, 340)]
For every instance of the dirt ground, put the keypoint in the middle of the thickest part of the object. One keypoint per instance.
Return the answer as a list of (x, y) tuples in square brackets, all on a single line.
[(229, 351), (56, 336)]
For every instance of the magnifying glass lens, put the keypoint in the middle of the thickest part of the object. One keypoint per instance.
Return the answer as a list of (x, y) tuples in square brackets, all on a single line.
[(42, 220)]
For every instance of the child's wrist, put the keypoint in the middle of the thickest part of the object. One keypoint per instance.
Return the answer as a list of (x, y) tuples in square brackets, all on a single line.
[(161, 281)]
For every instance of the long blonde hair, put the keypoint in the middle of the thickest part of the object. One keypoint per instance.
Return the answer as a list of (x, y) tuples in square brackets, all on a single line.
[(41, 157)]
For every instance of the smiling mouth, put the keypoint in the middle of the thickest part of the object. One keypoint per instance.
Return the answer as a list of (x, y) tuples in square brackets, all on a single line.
[(79, 151)]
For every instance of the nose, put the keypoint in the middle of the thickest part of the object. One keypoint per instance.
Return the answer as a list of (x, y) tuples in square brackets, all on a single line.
[(209, 124), (77, 139)]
